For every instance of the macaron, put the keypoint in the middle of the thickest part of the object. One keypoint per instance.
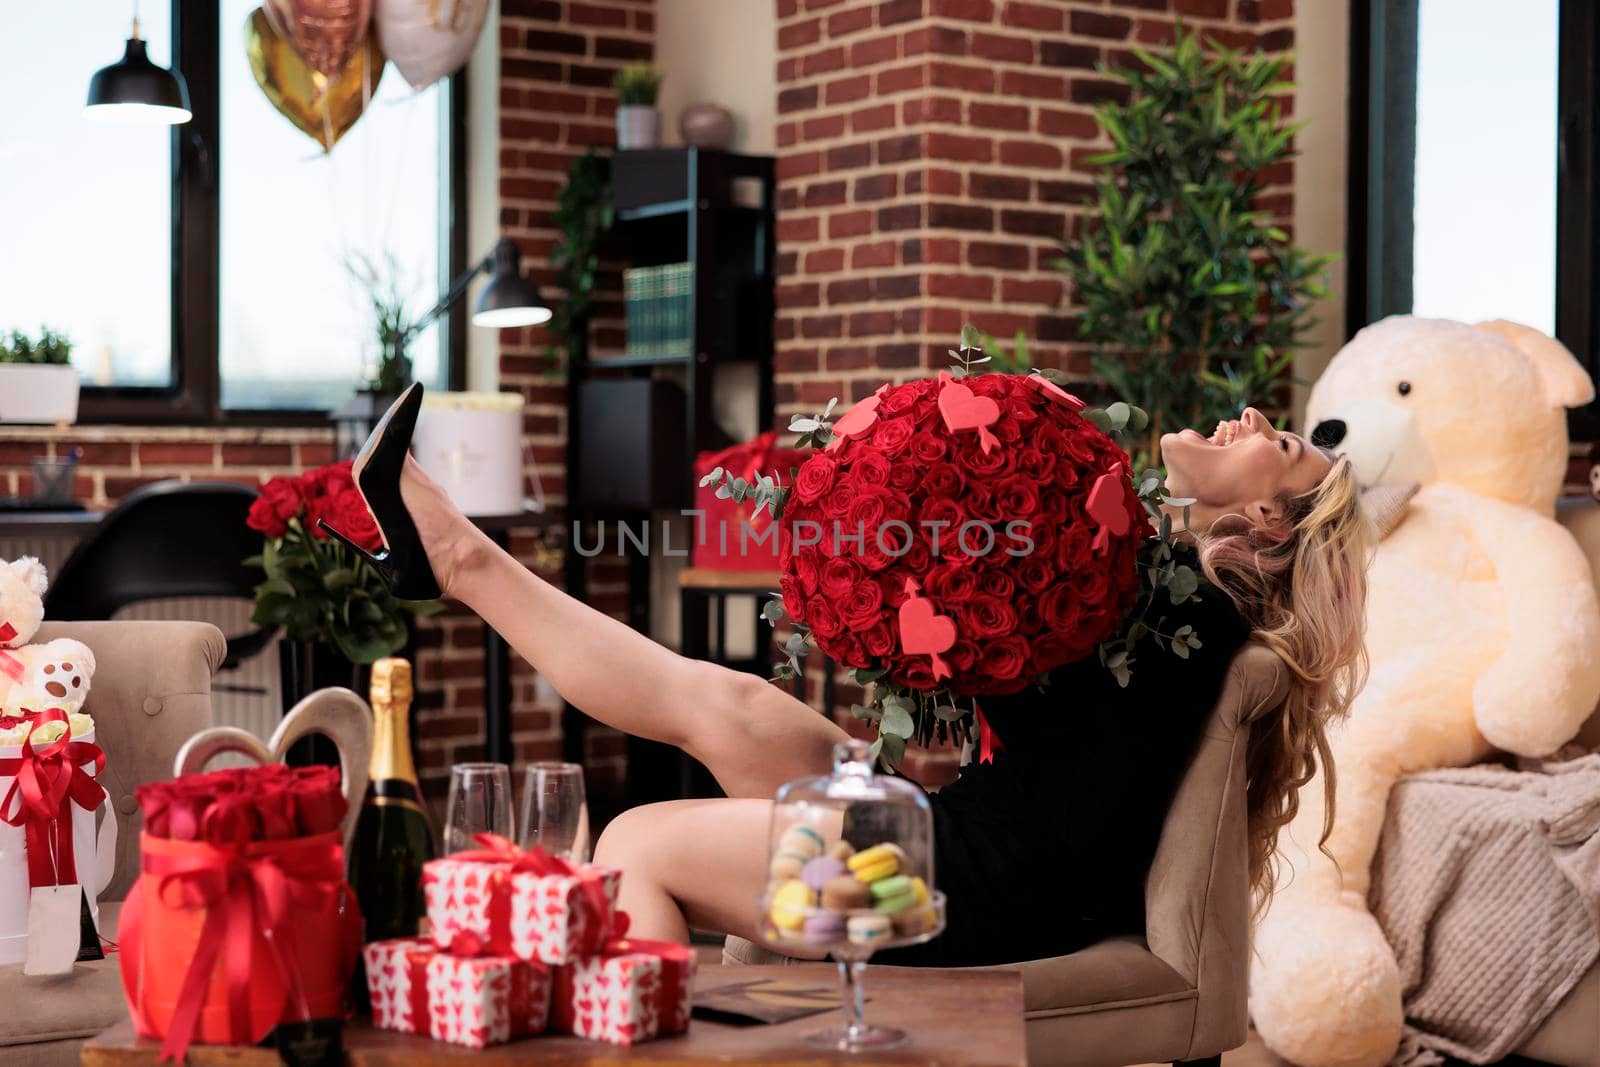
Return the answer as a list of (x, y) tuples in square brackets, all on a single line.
[(893, 895), (869, 929), (820, 871), (824, 927), (914, 921), (846, 894), (788, 906), (841, 850), (879, 861), (803, 841), (787, 865)]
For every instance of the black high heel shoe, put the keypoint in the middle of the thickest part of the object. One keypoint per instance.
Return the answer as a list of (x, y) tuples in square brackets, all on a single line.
[(403, 563)]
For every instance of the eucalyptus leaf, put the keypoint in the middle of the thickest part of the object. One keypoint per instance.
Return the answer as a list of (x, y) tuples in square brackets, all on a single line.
[(897, 722)]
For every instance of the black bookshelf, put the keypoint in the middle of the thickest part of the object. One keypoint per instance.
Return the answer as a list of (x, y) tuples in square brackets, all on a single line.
[(716, 211)]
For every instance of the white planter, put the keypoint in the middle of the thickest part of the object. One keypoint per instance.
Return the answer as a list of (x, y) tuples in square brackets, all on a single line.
[(93, 858), (638, 127), (38, 393)]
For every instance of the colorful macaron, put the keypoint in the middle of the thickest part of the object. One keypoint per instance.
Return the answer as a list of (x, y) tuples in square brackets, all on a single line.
[(803, 841), (869, 929), (877, 862), (845, 893), (841, 850), (787, 865), (820, 871), (789, 904), (893, 895), (824, 927), (915, 920)]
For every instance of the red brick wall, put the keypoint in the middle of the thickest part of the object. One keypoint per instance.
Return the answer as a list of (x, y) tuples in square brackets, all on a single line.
[(932, 155)]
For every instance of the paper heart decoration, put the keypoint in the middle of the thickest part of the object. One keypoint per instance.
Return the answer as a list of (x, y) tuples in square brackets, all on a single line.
[(1056, 391), (860, 417), (337, 714), (924, 633), (964, 410), (1105, 507)]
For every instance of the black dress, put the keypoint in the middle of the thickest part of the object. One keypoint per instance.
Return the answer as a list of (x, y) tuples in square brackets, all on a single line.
[(1045, 850)]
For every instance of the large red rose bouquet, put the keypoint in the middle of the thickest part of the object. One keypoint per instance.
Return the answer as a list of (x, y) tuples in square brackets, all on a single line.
[(961, 536), (316, 588)]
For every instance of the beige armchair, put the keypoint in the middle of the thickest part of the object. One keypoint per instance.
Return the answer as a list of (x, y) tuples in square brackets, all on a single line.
[(1178, 993), (152, 690)]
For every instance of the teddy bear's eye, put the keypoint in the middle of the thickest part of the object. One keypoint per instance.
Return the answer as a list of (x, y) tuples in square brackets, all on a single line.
[(1405, 388)]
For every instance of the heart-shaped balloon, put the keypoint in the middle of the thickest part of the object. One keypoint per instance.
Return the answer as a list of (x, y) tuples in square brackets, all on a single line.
[(322, 109), (326, 34), (338, 714), (923, 632), (859, 418), (964, 410), (428, 39)]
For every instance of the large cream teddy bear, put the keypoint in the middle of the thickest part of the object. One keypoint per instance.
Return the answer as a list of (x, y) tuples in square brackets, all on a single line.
[(55, 674), (1482, 629)]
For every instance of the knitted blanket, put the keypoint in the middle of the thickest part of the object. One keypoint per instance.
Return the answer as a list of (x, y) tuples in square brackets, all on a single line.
[(1487, 884)]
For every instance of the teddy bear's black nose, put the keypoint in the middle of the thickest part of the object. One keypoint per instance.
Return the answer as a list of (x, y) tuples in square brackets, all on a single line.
[(1328, 433)]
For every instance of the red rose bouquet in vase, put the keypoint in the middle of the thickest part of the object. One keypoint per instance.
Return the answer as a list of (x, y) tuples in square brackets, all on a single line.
[(961, 536), (241, 918), (316, 588)]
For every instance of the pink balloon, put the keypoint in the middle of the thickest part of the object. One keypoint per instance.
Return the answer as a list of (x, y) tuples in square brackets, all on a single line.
[(428, 39), (326, 33)]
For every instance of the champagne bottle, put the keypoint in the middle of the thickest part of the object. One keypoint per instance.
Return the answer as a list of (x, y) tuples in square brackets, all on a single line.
[(393, 838)]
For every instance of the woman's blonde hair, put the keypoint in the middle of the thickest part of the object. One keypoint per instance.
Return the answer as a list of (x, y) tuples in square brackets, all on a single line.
[(1301, 586)]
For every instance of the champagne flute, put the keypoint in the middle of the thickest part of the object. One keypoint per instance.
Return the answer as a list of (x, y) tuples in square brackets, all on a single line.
[(480, 802), (554, 814)]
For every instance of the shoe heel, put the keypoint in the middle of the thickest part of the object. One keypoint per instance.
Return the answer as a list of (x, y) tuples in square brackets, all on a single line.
[(351, 545)]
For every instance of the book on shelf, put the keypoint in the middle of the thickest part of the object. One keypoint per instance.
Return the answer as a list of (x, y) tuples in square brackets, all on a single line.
[(659, 309)]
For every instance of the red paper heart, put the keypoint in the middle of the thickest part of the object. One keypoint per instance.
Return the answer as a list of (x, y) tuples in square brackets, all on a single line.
[(1056, 391), (1105, 507), (964, 410), (923, 632), (860, 417)]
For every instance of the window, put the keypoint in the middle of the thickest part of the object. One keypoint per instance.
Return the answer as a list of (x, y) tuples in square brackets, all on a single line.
[(1473, 167), (209, 263)]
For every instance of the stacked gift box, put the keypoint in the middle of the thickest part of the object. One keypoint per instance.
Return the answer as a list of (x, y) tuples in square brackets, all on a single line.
[(521, 942)]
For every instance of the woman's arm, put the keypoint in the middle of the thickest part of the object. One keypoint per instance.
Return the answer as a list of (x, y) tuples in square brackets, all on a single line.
[(751, 735)]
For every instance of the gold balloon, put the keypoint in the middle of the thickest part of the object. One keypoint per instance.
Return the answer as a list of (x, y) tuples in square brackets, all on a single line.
[(324, 110)]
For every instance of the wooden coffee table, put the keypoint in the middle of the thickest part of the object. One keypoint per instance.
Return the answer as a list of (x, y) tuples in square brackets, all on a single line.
[(954, 1017)]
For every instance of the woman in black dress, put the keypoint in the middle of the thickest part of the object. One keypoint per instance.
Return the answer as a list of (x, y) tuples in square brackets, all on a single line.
[(1064, 823)]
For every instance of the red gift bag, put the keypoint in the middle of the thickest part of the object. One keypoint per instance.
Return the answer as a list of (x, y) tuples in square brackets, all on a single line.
[(220, 944), (727, 538)]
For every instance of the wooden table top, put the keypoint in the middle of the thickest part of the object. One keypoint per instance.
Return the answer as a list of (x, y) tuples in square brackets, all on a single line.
[(956, 1017)]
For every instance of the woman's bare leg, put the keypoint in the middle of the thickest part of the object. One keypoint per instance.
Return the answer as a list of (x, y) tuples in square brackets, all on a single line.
[(751, 735)]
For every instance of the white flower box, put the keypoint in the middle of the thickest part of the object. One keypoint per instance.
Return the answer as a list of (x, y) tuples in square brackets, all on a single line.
[(40, 394)]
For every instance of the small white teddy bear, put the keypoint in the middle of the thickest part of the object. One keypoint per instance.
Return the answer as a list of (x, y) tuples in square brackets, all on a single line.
[(55, 674)]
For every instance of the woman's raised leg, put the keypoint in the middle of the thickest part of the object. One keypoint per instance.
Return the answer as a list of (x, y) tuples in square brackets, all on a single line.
[(751, 735)]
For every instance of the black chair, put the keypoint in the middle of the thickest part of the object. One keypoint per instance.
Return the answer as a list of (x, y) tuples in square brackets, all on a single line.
[(170, 539)]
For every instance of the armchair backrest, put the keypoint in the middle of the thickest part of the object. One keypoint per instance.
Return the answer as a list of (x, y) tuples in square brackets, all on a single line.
[(1197, 910), (151, 691)]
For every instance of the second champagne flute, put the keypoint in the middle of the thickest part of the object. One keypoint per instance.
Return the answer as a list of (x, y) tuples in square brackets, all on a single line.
[(554, 815), (480, 802)]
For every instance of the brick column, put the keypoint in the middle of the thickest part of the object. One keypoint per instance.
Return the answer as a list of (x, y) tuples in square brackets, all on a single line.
[(932, 156)]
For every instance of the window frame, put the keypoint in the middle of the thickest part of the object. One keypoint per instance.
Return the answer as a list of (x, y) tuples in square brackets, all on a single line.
[(1382, 171), (195, 397)]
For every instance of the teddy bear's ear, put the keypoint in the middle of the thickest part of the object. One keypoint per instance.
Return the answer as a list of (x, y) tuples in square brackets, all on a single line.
[(1565, 381), (32, 573)]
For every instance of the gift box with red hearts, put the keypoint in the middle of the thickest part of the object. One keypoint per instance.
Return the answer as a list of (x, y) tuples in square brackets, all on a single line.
[(473, 1001), (525, 904), (631, 991)]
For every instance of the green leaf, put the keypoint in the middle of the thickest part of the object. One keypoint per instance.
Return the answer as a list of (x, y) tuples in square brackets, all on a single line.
[(969, 336), (897, 722), (280, 586)]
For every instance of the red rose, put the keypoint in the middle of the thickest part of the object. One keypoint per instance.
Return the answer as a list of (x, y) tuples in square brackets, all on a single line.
[(808, 568), (917, 673), (1060, 609), (962, 655), (904, 477), (1036, 465), (892, 435), (878, 640), (839, 576), (263, 518), (927, 448), (863, 608), (840, 499), (319, 804), (348, 514), (869, 468), (943, 479), (865, 517), (815, 478), (952, 583), (897, 401), (993, 581), (1034, 573), (275, 809), (821, 617), (986, 616), (1003, 658), (1018, 497), (940, 521), (978, 463), (230, 819), (793, 597)]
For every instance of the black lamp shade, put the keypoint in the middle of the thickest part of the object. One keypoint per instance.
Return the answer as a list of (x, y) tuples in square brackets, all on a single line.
[(509, 299), (135, 90)]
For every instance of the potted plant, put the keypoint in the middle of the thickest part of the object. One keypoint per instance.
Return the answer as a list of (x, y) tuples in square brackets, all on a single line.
[(1194, 298), (38, 383), (638, 121)]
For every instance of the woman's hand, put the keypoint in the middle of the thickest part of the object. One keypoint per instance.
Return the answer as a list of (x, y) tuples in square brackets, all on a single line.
[(451, 541)]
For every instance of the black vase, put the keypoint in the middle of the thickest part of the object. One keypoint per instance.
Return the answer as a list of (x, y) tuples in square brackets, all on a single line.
[(305, 667)]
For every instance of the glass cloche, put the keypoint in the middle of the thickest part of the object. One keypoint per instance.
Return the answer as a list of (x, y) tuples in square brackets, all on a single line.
[(850, 864)]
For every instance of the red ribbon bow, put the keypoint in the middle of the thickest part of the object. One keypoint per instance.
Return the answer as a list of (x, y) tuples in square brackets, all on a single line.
[(46, 782), (8, 663), (241, 892), (510, 858)]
